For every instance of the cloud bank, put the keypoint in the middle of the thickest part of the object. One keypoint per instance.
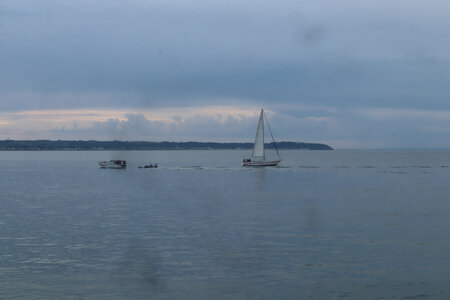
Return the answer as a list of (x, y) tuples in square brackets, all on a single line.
[(340, 128)]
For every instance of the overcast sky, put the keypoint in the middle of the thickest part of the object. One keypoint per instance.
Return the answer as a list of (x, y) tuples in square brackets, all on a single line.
[(352, 74)]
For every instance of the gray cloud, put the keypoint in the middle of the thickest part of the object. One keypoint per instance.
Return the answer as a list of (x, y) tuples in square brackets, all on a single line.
[(138, 127), (366, 128), (341, 128)]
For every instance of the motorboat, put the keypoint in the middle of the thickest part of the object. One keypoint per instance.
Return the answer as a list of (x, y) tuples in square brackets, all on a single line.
[(151, 166), (113, 164)]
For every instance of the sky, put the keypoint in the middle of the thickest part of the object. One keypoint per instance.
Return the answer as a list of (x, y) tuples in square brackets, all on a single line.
[(351, 74)]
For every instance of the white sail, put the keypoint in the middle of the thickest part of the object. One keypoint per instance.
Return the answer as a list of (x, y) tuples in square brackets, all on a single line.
[(258, 149)]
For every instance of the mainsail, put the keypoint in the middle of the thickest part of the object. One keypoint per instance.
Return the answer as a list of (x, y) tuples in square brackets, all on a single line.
[(258, 149)]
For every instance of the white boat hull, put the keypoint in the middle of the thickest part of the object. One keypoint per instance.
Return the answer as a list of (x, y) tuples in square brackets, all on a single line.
[(111, 165), (261, 163)]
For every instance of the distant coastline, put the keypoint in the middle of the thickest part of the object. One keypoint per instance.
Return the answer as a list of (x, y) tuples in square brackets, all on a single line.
[(62, 145)]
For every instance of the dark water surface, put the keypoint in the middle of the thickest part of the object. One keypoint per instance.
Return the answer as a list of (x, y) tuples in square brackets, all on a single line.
[(323, 225)]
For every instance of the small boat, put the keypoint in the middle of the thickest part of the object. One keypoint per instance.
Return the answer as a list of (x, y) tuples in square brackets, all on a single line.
[(113, 164), (258, 156), (151, 166)]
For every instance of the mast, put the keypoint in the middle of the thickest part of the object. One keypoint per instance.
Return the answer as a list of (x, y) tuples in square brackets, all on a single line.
[(258, 148)]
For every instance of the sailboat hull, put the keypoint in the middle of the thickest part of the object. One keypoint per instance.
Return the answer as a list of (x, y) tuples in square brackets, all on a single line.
[(260, 163)]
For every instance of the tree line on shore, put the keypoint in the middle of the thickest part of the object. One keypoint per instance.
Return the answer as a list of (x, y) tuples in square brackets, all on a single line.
[(145, 145)]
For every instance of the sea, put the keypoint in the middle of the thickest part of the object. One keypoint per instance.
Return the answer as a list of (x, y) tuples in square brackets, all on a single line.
[(337, 224)]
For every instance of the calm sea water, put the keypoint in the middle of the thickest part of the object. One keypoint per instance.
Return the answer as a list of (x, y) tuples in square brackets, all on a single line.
[(322, 225)]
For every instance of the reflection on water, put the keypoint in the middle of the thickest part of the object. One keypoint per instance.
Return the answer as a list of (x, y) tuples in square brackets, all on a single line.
[(323, 225), (260, 178)]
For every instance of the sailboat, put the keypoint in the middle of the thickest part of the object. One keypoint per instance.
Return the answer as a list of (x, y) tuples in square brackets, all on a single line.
[(258, 156)]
